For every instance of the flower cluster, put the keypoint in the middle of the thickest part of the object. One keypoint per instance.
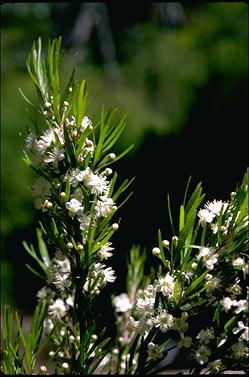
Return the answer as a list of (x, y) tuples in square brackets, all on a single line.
[(206, 280)]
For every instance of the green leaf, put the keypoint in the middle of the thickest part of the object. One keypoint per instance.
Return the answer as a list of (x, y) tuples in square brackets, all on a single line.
[(181, 218), (43, 248)]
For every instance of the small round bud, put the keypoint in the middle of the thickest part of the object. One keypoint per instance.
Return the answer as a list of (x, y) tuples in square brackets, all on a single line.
[(48, 204), (123, 365), (75, 133), (114, 208), (108, 171), (94, 337), (65, 103), (72, 338), (78, 337), (43, 368), (51, 353), (232, 195), (156, 251), (114, 227), (175, 239), (120, 339), (65, 366), (62, 333), (70, 89), (46, 114), (165, 243), (62, 194), (47, 105), (80, 247), (223, 228), (194, 265), (61, 354), (115, 351), (89, 143), (69, 245), (208, 276), (112, 156)]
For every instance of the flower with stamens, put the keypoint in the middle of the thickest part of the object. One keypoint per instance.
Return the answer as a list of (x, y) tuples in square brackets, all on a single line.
[(154, 351), (166, 285), (205, 335), (122, 303), (74, 207), (57, 309), (164, 320), (104, 251)]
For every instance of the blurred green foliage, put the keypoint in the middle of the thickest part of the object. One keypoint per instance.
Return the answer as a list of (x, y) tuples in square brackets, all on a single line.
[(161, 71)]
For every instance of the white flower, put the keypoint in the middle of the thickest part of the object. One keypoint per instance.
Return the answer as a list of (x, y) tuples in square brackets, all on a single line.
[(31, 141), (62, 262), (108, 275), (74, 207), (235, 288), (201, 354), (205, 335), (239, 350), (58, 277), (42, 187), (145, 307), (141, 327), (185, 341), (57, 309), (208, 256), (227, 303), (104, 206), (215, 365), (154, 351), (44, 293), (97, 184), (84, 220), (74, 176), (166, 285), (213, 283), (205, 216), (180, 324), (104, 251), (239, 262), (122, 303), (48, 325), (45, 141), (242, 306), (215, 207), (164, 321), (55, 156), (245, 334), (86, 122)]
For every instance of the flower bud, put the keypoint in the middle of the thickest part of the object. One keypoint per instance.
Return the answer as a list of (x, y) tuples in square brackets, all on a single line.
[(62, 194), (112, 156), (80, 247), (65, 365), (47, 105), (156, 251), (43, 368), (69, 245), (114, 226), (108, 171), (165, 243)]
